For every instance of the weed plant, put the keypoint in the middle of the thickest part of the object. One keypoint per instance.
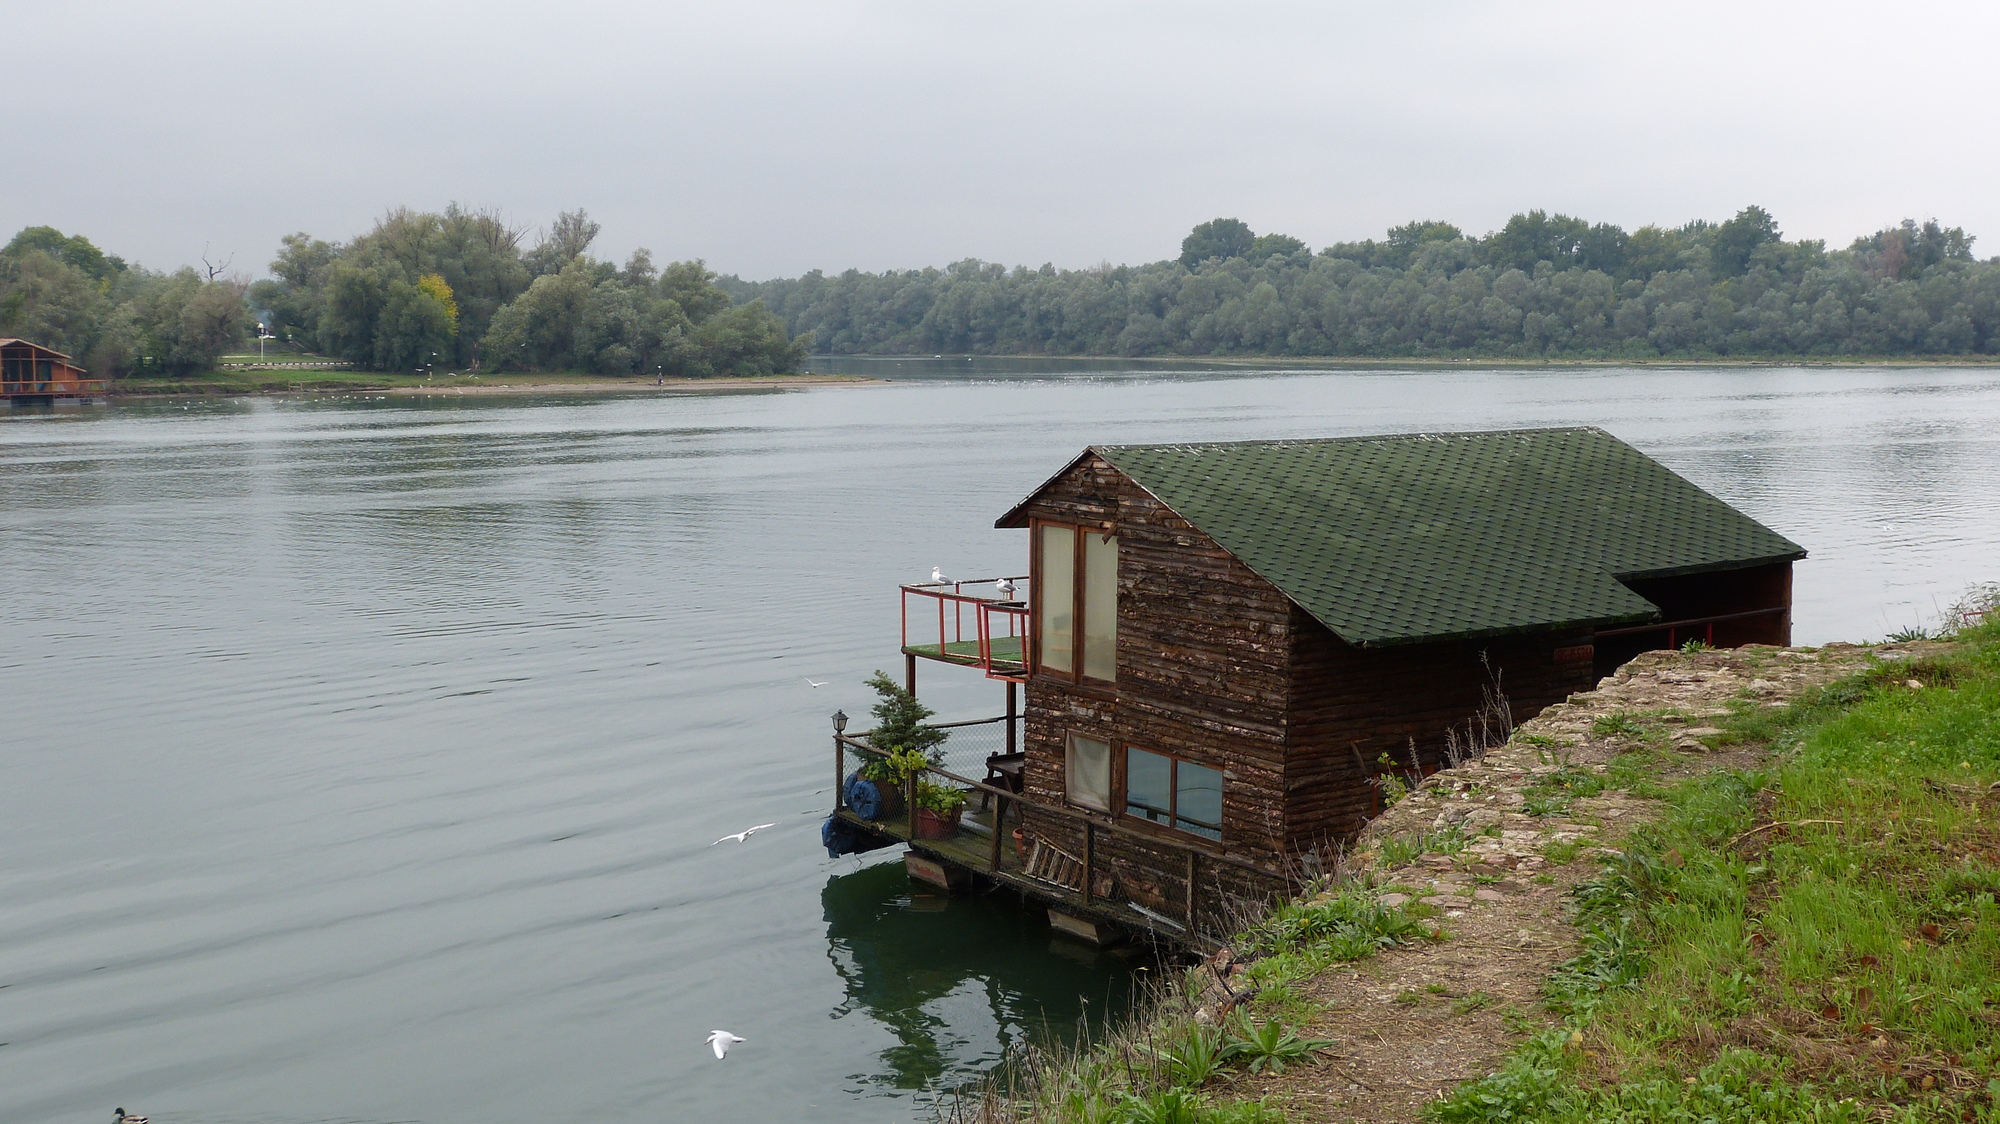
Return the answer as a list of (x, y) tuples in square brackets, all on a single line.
[(1553, 792)]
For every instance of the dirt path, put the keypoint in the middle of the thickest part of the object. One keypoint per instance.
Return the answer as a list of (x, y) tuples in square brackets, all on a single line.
[(1415, 1021)]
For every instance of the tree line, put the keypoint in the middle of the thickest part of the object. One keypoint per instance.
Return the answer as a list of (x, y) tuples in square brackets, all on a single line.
[(455, 290), (459, 289), (1542, 285)]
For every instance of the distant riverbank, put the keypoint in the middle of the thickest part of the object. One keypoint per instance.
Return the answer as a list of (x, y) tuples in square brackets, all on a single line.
[(307, 381), (1084, 363)]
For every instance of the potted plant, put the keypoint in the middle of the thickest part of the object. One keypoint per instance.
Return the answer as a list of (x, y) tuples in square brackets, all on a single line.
[(906, 747), (875, 791), (938, 808)]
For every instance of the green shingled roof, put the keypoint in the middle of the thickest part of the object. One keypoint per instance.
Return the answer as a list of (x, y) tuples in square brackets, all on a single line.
[(1435, 536)]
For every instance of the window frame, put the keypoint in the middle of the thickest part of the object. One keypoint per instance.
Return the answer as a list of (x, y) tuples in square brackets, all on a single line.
[(1174, 817), (1078, 642), (1113, 758), (1120, 758)]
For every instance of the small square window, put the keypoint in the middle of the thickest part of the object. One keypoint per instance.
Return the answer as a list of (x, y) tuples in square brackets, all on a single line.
[(1176, 793), (1088, 780)]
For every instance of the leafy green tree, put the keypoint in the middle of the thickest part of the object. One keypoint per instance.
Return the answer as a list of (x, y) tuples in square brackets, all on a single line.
[(1731, 244), (1216, 238), (540, 329), (567, 240), (1266, 246), (72, 250), (1537, 236), (417, 324), (1906, 251), (187, 321), (51, 302)]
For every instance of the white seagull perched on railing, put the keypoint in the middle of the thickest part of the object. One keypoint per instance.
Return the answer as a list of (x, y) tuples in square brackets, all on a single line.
[(937, 575), (721, 1040), (743, 835), (1006, 588)]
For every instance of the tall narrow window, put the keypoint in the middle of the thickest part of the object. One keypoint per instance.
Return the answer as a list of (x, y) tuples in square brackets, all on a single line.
[(1055, 589), (1100, 605), (1174, 793), (1088, 779)]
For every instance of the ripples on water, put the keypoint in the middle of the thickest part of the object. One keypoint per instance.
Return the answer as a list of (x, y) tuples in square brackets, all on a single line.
[(360, 757)]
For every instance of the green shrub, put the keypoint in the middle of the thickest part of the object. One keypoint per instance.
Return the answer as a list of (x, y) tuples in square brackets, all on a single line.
[(899, 722)]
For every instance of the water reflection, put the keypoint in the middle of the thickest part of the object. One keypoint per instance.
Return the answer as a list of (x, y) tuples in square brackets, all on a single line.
[(957, 979)]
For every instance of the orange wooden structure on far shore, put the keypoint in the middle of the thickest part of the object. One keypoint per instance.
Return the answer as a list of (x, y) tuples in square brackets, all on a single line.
[(31, 374)]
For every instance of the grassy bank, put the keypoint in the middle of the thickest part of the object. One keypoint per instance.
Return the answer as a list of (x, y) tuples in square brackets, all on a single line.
[(1210, 1027), (1815, 941), (1760, 886)]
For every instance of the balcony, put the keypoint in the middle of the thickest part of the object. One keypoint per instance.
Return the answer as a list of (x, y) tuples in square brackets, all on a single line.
[(943, 621), (1062, 862)]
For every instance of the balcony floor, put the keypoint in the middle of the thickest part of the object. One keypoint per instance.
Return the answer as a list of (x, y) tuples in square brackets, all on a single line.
[(1005, 650)]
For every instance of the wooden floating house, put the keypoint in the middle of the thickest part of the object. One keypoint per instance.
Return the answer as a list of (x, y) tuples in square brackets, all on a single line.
[(1226, 649), (32, 375)]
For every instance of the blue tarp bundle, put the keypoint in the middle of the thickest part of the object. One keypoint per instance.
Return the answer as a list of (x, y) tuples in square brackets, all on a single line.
[(863, 797), (843, 838)]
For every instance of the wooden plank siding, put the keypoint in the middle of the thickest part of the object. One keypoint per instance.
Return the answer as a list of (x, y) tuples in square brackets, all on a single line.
[(1350, 706), (1203, 652)]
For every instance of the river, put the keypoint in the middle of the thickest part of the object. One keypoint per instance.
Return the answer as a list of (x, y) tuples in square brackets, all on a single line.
[(361, 755)]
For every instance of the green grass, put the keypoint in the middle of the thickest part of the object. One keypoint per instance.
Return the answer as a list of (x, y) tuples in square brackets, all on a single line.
[(1398, 850), (1816, 943), (1553, 792), (1168, 1066)]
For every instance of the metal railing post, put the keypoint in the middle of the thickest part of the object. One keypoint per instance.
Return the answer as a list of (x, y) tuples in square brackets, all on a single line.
[(839, 771)]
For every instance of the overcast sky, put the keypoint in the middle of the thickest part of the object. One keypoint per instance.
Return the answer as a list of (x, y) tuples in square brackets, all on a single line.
[(774, 137)]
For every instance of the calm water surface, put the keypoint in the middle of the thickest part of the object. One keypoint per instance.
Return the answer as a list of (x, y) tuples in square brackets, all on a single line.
[(359, 758)]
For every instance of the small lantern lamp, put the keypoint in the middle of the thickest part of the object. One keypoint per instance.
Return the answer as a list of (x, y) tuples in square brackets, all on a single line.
[(839, 722)]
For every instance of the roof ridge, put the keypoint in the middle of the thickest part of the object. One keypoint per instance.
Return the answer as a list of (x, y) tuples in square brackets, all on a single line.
[(1357, 438)]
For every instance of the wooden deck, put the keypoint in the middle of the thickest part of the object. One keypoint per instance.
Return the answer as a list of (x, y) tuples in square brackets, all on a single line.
[(972, 850)]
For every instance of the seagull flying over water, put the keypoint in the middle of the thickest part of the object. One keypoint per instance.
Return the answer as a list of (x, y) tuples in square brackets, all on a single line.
[(937, 575), (721, 1040), (1006, 588), (743, 835), (810, 683)]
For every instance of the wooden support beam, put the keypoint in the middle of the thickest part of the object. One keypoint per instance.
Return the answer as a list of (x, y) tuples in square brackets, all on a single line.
[(1099, 933), (1192, 859), (943, 875), (1089, 860)]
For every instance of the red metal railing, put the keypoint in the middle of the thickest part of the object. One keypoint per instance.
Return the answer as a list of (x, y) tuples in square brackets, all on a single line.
[(987, 631)]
